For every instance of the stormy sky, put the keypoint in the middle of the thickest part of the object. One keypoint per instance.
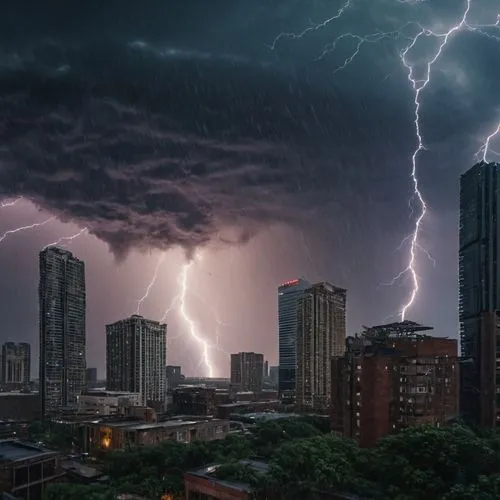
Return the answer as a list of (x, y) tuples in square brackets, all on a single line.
[(179, 129)]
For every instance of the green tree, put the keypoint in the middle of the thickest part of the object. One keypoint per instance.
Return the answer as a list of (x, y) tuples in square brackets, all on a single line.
[(326, 462), (486, 488), (66, 491), (427, 461)]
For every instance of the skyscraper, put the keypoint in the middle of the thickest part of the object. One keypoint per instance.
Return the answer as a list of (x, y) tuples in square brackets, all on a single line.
[(247, 370), (136, 350), (16, 365), (321, 333), (62, 329), (479, 287), (288, 295)]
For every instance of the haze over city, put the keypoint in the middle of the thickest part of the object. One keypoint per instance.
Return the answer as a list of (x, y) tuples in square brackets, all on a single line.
[(181, 132)]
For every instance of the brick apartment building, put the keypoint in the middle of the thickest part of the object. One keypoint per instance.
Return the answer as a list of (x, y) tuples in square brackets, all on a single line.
[(392, 377)]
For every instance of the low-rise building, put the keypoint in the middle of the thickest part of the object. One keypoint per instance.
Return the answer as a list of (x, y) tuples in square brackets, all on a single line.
[(100, 437), (106, 403), (194, 400), (26, 469), (20, 406)]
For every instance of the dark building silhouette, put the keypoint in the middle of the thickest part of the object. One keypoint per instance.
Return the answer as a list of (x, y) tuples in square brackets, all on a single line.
[(247, 370), (392, 377), (174, 377), (62, 301), (91, 377), (194, 400), (479, 297), (16, 366)]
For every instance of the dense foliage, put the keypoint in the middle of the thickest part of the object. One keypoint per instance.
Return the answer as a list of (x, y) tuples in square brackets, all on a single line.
[(449, 463)]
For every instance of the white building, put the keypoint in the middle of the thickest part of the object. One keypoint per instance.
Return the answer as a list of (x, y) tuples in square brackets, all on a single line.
[(106, 403)]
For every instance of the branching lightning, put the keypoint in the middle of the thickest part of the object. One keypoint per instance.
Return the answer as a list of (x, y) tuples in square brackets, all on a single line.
[(25, 228), (485, 149), (314, 27), (192, 328), (66, 238), (417, 85), (180, 299), (151, 283)]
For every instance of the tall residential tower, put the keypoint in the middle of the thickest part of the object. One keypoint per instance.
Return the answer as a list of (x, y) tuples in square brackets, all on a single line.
[(479, 284), (321, 334), (136, 350), (288, 296), (62, 329)]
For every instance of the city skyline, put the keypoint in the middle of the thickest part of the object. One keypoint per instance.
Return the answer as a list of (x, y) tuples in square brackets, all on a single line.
[(265, 156)]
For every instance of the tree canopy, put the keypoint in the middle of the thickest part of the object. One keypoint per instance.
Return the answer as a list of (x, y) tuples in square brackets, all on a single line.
[(448, 463)]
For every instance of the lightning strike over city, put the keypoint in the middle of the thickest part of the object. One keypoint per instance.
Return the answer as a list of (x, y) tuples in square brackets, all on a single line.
[(418, 84), (66, 239), (190, 323), (25, 228), (151, 283), (198, 178)]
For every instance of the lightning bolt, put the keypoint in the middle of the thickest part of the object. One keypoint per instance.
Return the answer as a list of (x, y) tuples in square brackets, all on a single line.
[(25, 228), (485, 148), (10, 203), (417, 85), (314, 27), (151, 283), (192, 328), (66, 238)]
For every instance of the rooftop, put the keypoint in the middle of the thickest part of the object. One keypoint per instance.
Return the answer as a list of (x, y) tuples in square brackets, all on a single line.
[(80, 469), (11, 450), (138, 425), (208, 472)]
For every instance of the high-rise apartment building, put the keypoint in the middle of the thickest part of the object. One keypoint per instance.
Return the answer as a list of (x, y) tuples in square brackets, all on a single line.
[(321, 334), (62, 301), (136, 350), (479, 285), (288, 296), (247, 369), (16, 365), (392, 377)]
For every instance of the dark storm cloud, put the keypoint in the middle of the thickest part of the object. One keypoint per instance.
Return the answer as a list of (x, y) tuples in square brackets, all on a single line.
[(165, 125)]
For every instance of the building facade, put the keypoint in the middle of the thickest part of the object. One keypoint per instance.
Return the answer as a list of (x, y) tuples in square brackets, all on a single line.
[(174, 377), (321, 333), (107, 403), (16, 366), (392, 377), (479, 297), (247, 370), (135, 358), (194, 400), (288, 296), (101, 437), (62, 299), (26, 470)]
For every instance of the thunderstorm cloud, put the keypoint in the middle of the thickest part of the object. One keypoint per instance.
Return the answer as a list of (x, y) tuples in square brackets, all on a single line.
[(172, 124)]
